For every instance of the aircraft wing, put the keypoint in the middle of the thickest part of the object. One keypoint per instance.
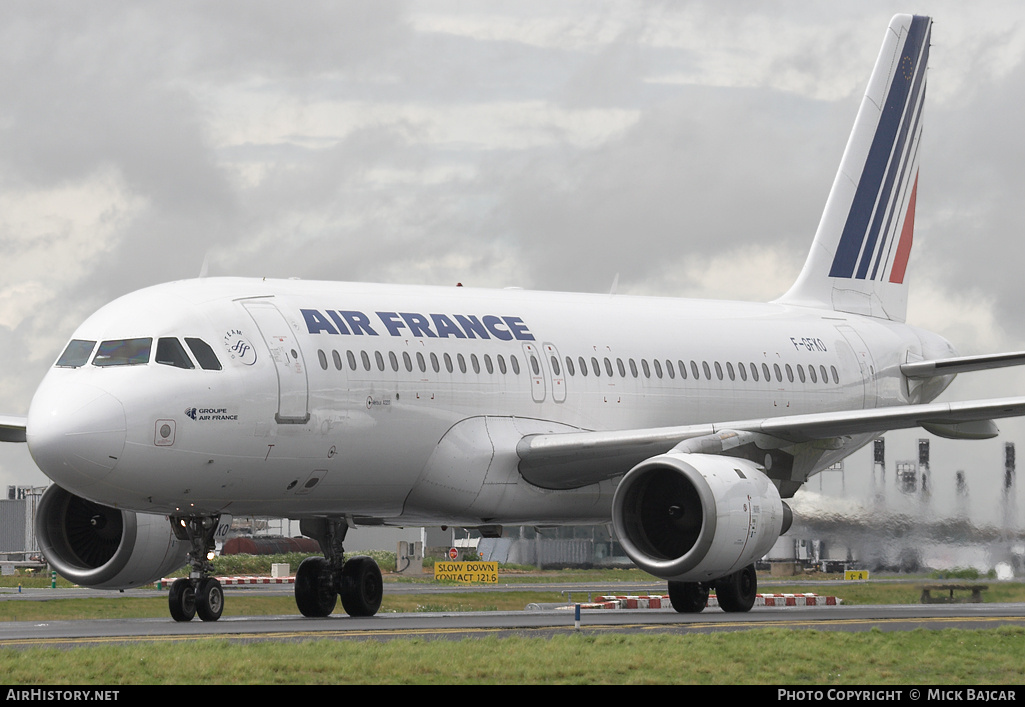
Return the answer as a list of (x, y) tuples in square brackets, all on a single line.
[(12, 429), (574, 459), (962, 364)]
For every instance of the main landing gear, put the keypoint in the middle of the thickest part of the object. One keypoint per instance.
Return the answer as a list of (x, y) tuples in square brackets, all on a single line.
[(735, 592), (199, 593), (319, 581)]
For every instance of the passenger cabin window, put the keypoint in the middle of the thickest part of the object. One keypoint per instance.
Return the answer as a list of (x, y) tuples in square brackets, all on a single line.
[(170, 352), (76, 354), (123, 352)]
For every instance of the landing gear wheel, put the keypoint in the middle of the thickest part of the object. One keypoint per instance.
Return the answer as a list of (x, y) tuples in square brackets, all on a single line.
[(200, 592), (314, 591), (209, 599), (182, 600), (736, 592), (688, 597), (361, 588)]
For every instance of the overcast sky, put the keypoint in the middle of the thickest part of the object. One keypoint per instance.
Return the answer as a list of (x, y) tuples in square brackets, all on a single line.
[(686, 146)]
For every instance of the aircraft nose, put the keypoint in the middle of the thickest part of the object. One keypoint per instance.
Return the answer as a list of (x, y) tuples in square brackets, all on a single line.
[(75, 433)]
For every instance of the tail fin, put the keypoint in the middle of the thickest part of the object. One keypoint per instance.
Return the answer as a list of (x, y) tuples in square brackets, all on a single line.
[(860, 253)]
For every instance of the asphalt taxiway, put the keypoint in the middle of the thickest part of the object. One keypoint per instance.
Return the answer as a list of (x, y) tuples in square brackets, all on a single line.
[(455, 625)]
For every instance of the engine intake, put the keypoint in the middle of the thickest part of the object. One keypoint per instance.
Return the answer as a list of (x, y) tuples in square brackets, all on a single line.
[(102, 547), (697, 517)]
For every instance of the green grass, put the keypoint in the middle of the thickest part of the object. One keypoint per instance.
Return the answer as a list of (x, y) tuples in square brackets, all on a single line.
[(920, 657), (239, 604)]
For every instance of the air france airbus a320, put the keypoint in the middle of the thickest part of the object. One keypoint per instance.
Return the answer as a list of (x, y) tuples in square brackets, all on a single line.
[(686, 422)]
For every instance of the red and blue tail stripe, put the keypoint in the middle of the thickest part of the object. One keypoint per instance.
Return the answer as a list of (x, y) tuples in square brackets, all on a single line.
[(870, 246)]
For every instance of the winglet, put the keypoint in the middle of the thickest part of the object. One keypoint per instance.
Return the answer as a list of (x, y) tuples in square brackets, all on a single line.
[(859, 258)]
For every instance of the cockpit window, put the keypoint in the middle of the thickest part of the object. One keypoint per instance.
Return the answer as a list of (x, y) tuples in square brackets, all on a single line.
[(204, 354), (170, 352), (123, 352), (76, 354)]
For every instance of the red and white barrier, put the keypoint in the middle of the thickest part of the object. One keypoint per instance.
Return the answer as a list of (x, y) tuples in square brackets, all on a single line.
[(227, 581), (661, 601)]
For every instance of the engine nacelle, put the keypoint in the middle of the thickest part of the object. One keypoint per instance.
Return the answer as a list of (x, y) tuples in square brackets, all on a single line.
[(102, 547), (697, 517)]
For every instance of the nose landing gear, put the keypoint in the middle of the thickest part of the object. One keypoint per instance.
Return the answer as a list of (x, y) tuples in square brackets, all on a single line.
[(199, 593)]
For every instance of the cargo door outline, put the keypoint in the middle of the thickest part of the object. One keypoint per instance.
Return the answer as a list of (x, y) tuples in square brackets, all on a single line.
[(289, 366), (535, 371), (556, 371)]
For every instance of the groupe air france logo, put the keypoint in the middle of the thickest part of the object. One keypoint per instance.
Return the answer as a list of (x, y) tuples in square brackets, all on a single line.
[(211, 414), (239, 348)]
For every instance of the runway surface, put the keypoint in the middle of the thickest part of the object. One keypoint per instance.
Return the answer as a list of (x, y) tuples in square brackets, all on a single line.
[(458, 625)]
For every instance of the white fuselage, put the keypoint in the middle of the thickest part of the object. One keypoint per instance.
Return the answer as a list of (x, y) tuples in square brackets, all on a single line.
[(334, 398)]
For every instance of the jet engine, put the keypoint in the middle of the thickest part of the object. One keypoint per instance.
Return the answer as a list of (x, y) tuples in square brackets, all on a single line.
[(102, 547), (697, 517)]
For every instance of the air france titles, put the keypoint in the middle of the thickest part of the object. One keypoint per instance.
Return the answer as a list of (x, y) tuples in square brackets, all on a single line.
[(433, 326)]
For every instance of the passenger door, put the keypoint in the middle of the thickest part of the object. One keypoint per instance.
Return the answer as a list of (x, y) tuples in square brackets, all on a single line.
[(293, 386)]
